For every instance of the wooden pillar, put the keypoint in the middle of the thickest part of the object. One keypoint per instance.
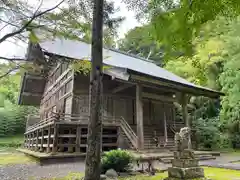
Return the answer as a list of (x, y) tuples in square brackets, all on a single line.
[(37, 135), (165, 127), (55, 138), (31, 140), (48, 139), (42, 139), (78, 139), (139, 115), (185, 99)]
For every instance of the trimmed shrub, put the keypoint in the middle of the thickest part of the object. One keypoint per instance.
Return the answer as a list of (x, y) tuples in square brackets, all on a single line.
[(119, 160)]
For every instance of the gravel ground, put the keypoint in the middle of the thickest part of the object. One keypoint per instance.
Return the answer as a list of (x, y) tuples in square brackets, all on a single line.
[(28, 171), (224, 161)]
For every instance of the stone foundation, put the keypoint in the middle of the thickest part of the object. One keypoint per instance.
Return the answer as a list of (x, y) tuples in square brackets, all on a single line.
[(185, 173), (185, 166)]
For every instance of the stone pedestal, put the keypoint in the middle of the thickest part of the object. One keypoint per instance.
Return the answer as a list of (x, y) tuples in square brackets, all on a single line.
[(185, 166), (185, 173)]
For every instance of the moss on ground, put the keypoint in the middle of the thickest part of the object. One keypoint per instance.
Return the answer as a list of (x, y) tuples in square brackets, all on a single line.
[(14, 158), (212, 173), (9, 159)]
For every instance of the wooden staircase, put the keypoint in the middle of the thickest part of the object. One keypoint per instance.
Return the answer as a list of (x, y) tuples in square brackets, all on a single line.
[(128, 134)]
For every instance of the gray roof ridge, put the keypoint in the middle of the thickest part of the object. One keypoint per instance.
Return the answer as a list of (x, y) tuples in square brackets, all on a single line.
[(130, 54)]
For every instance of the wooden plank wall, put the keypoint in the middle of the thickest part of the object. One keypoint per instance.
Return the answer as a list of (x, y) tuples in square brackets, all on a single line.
[(119, 104), (58, 91)]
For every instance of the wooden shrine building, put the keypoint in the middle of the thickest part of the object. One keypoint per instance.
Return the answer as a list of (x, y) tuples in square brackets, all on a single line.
[(138, 100)]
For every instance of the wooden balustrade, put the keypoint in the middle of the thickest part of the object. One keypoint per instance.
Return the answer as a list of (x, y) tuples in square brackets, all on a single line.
[(72, 119), (129, 132)]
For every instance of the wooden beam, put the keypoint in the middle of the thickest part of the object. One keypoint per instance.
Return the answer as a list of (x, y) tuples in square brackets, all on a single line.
[(139, 112), (198, 91), (35, 77), (158, 97), (31, 94), (121, 87)]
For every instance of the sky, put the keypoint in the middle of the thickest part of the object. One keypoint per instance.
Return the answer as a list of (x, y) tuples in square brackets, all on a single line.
[(9, 49)]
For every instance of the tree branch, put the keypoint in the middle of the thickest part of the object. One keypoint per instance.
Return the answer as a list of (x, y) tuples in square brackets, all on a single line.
[(9, 71), (35, 15), (12, 59)]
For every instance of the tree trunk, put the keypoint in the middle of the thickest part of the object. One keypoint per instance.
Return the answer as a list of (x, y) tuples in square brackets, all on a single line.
[(92, 165)]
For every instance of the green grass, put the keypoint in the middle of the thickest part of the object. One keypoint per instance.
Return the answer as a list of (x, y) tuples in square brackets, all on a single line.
[(8, 153), (14, 141), (14, 158), (212, 173)]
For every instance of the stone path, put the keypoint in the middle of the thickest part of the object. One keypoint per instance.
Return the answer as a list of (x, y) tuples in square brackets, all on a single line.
[(224, 161)]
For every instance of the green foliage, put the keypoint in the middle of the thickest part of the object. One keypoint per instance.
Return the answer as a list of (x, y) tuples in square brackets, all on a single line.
[(139, 41), (83, 66), (230, 79), (180, 24), (11, 141), (176, 24), (12, 116), (204, 66), (119, 160), (13, 119), (207, 133)]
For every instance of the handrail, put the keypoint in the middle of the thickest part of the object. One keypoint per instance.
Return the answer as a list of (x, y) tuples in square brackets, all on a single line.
[(172, 129), (129, 132), (73, 118)]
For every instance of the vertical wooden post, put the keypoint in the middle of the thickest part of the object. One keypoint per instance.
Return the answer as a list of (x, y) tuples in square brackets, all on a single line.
[(28, 143), (139, 112), (31, 140), (42, 139), (48, 139), (165, 127), (185, 116), (78, 139), (36, 147), (55, 138)]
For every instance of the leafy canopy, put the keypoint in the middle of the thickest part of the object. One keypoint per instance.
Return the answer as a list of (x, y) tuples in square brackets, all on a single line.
[(177, 23)]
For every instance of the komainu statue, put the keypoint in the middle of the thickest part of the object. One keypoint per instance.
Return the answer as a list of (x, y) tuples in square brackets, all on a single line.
[(182, 139), (184, 164)]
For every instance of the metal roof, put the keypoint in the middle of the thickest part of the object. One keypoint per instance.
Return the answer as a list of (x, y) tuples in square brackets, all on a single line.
[(115, 58)]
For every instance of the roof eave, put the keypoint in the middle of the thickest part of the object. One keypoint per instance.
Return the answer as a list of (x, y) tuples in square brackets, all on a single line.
[(199, 91)]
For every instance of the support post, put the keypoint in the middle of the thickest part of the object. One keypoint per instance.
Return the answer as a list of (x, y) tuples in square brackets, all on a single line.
[(78, 139), (31, 138), (48, 139), (184, 102), (55, 138), (37, 135), (42, 139), (139, 111), (165, 128)]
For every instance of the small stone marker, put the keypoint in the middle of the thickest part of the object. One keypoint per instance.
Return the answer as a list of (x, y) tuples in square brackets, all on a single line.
[(184, 164)]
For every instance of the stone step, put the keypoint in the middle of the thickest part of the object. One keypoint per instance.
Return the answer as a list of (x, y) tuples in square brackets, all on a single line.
[(200, 158)]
